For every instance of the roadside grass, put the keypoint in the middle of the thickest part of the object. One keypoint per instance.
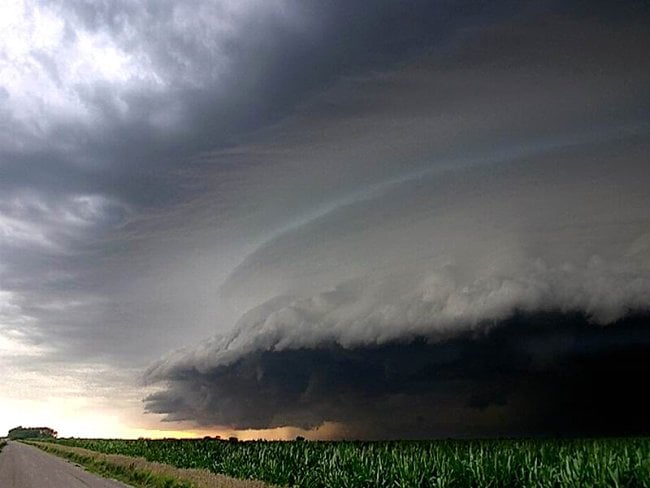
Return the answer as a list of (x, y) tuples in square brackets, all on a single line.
[(128, 473), (140, 473)]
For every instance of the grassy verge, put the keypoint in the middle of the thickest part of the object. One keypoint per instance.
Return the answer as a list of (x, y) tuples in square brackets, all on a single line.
[(127, 473), (2, 444), (141, 473)]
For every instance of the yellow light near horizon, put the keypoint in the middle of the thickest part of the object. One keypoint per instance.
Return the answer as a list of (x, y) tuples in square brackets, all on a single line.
[(76, 417), (63, 401)]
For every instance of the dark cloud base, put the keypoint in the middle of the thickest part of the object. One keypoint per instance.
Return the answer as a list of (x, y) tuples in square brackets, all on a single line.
[(542, 374)]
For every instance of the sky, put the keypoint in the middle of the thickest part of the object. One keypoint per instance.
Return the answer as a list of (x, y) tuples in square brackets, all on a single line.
[(340, 219)]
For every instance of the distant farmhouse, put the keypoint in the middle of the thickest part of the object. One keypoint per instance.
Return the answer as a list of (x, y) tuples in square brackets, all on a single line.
[(32, 433)]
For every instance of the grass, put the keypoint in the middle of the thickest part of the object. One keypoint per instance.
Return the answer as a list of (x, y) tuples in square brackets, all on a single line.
[(2, 444), (127, 473), (139, 472), (498, 463)]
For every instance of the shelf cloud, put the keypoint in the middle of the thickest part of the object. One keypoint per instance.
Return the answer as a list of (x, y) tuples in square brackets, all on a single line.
[(390, 284), (351, 212)]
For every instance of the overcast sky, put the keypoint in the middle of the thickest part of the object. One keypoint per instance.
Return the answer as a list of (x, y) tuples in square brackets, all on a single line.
[(307, 216)]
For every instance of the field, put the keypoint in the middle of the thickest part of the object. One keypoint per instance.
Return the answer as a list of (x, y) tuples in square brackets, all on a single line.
[(501, 463)]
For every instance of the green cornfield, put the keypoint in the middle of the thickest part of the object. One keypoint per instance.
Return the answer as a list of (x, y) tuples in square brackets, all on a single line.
[(398, 464)]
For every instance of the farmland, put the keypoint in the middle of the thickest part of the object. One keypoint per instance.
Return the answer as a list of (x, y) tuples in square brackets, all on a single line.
[(497, 463)]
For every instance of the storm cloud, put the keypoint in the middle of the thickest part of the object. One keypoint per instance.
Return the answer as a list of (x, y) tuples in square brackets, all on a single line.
[(286, 193), (425, 274), (531, 374)]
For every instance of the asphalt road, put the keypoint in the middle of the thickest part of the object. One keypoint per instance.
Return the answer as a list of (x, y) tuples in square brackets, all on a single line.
[(24, 466)]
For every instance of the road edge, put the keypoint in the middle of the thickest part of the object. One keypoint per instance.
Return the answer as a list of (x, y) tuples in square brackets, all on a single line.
[(141, 473), (131, 475)]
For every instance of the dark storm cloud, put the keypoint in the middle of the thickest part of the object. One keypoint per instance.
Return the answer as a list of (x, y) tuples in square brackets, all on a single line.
[(211, 72), (532, 374), (506, 290), (170, 169), (200, 75), (222, 71)]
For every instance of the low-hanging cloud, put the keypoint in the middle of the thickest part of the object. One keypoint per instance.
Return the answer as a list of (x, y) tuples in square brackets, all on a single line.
[(531, 374), (433, 259), (274, 173)]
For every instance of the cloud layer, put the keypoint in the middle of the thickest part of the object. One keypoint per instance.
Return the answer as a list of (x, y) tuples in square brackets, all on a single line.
[(284, 176), (439, 260), (533, 374)]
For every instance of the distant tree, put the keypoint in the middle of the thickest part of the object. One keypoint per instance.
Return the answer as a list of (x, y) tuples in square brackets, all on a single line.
[(209, 438), (232, 439), (21, 432), (300, 438)]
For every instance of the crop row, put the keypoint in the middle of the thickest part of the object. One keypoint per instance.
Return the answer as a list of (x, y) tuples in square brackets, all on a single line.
[(498, 463)]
